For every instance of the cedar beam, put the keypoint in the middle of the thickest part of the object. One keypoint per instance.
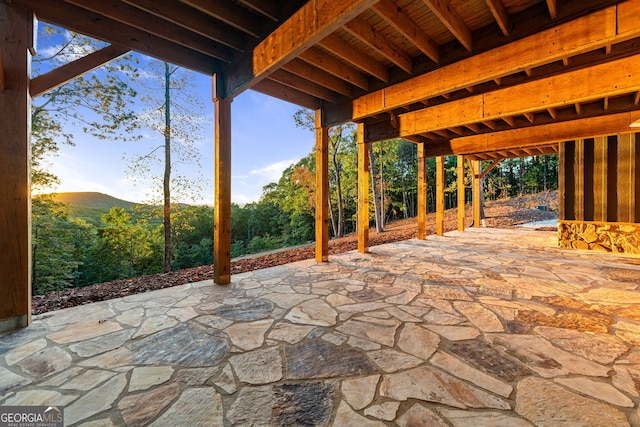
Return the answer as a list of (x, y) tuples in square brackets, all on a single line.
[(229, 13), (61, 75), (440, 195), (600, 173), (222, 187), (356, 58), (280, 91), (322, 188), (336, 67), (461, 193), (493, 164), (553, 8), (450, 18), (317, 76), (500, 14), (422, 191), (363, 191), (626, 182), (476, 167), (579, 180)]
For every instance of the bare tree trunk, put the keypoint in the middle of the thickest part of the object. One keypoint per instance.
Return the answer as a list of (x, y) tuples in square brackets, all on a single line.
[(333, 218), (376, 191), (166, 183), (339, 232), (405, 202)]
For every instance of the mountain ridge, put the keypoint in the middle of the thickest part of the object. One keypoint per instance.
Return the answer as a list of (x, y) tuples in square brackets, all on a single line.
[(92, 199)]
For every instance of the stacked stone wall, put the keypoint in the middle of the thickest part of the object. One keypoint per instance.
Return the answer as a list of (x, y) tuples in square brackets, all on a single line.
[(600, 236)]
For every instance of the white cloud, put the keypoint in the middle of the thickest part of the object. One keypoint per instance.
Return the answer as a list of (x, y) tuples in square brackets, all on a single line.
[(273, 172)]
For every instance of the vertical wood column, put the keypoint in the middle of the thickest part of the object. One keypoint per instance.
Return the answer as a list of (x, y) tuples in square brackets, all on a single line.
[(363, 191), (627, 177), (16, 38), (461, 198), (561, 181), (477, 191), (222, 189), (600, 172), (440, 195), (422, 191), (578, 170), (322, 189)]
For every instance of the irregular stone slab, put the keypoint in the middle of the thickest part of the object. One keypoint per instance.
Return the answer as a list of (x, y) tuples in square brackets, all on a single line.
[(97, 400), (402, 298), (382, 331), (88, 380), (89, 312), (92, 347), (335, 339), (24, 351), (214, 322), (140, 409), (418, 341), (290, 333), (195, 376), (482, 318), (489, 360), (627, 378), (546, 404), (386, 411), (251, 310), (182, 313), (602, 295), (39, 398), (225, 380), (438, 292), (599, 390), (362, 307), (154, 324), (83, 331), (545, 359), (196, 406), (144, 377), (359, 392), (320, 359), (337, 300), (132, 317), (348, 418), (362, 343), (187, 344), (438, 317), (465, 418), (303, 404), (391, 360), (46, 362), (9, 380), (365, 295), (62, 377), (454, 366), (252, 406), (109, 360), (258, 366), (402, 315), (287, 300), (248, 336), (455, 333), (418, 416), (428, 384), (600, 348), (313, 312)]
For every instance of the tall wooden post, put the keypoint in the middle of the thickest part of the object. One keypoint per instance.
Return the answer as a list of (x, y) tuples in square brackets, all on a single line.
[(222, 186), (440, 195), (578, 170), (16, 39), (363, 191), (600, 175), (422, 191), (461, 199), (627, 191), (476, 167), (322, 189)]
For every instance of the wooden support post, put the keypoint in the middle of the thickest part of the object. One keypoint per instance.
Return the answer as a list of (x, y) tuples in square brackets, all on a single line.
[(627, 177), (422, 191), (562, 181), (476, 166), (322, 189), (363, 191), (440, 195), (222, 189), (600, 172), (16, 34), (1, 72), (578, 170), (461, 198)]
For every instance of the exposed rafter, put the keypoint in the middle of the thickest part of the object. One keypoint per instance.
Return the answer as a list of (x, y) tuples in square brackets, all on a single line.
[(341, 49), (500, 14), (331, 65), (2, 84), (268, 8), (229, 13), (293, 81), (318, 76), (553, 9), (450, 18)]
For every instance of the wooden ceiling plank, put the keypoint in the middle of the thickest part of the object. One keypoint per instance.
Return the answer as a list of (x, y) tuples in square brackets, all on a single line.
[(500, 14), (588, 84), (94, 25), (229, 13), (572, 38), (277, 90), (303, 85), (61, 75), (406, 26), (450, 18), (553, 8), (198, 23), (360, 29), (318, 76), (340, 48), (141, 20), (336, 67), (268, 8)]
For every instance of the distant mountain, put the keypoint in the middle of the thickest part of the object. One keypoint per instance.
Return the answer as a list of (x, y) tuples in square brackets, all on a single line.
[(93, 200)]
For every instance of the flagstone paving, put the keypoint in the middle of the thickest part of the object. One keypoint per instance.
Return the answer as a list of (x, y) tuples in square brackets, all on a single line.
[(482, 328)]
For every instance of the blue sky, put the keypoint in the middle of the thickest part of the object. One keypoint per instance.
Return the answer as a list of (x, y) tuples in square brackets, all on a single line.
[(265, 141)]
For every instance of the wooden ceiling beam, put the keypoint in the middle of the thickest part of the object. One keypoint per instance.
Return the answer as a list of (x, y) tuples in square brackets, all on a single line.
[(553, 8), (268, 8), (406, 26), (2, 83), (314, 21), (197, 23), (609, 79), (500, 14), (318, 76), (450, 18), (61, 75), (141, 20), (303, 85), (285, 93), (229, 13), (336, 67), (361, 30), (356, 58), (581, 35)]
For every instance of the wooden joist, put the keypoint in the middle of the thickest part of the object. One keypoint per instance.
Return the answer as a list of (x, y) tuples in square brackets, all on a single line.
[(356, 58), (500, 14), (278, 90), (229, 13), (335, 67), (450, 18)]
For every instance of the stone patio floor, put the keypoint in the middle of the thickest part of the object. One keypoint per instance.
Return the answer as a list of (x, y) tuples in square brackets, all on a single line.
[(482, 328)]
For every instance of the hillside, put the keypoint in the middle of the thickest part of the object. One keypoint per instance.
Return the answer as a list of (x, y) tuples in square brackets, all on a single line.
[(90, 206)]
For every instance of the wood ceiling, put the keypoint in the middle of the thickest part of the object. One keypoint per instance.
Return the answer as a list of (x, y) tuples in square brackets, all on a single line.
[(444, 73)]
